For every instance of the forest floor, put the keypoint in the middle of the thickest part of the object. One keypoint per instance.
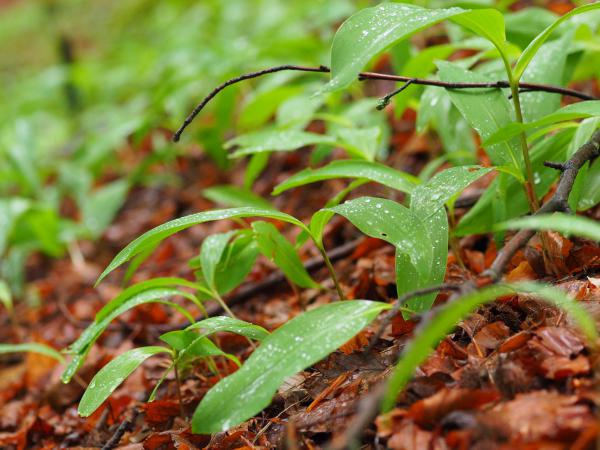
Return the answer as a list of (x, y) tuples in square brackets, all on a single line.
[(514, 375)]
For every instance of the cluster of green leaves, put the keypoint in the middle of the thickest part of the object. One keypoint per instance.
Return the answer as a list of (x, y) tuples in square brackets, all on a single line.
[(532, 127), (135, 69)]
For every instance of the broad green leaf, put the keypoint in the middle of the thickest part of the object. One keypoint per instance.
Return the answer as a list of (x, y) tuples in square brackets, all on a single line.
[(482, 217), (277, 248), (420, 65), (291, 348), (231, 325), (590, 192), (275, 140), (450, 314), (372, 171), (33, 347), (585, 192), (234, 197), (169, 228), (130, 298), (535, 45), (486, 110), (428, 197), (524, 25), (10, 211), (298, 111), (488, 23), (385, 219), (360, 143), (256, 164), (112, 375), (547, 67), (372, 30), (437, 110), (579, 110), (262, 106), (236, 264), (6, 296), (190, 345), (101, 206), (563, 223), (211, 253)]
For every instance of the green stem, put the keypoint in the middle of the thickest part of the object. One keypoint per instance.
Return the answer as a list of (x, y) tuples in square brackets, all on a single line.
[(331, 271), (222, 303), (529, 182)]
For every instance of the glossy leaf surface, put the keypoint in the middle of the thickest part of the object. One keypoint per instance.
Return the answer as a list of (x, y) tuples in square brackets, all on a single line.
[(291, 348), (112, 375)]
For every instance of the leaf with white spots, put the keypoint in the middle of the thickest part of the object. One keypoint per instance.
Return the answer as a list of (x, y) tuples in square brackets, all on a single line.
[(167, 229), (351, 168), (372, 30), (294, 346), (428, 197), (403, 228), (112, 375)]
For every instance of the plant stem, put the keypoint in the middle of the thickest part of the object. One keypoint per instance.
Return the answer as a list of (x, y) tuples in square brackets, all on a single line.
[(222, 303), (179, 397), (534, 204), (331, 271)]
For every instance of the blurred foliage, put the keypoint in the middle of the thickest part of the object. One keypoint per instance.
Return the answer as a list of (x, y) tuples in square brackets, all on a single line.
[(83, 81)]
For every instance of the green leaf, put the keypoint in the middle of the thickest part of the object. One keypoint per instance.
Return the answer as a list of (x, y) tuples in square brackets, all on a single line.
[(486, 110), (10, 211), (535, 45), (277, 248), (481, 218), (33, 347), (231, 325), (112, 375), (236, 264), (372, 171), (385, 219), (234, 197), (547, 67), (590, 191), (373, 30), (211, 253), (101, 206), (360, 143), (275, 140), (563, 223), (291, 348), (428, 197), (152, 291), (6, 296), (448, 315), (579, 110), (169, 228)]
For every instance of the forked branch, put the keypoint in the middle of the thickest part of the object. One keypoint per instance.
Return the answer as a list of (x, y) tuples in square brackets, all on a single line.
[(377, 76)]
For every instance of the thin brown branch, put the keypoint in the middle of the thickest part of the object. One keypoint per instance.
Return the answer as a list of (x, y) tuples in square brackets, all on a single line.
[(398, 304), (123, 427), (377, 76)]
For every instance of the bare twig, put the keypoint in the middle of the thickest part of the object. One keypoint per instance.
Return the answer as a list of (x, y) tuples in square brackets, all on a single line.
[(125, 426), (386, 99), (377, 76), (387, 318)]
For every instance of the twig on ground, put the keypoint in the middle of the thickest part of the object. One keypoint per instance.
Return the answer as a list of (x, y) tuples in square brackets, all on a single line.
[(125, 426), (378, 76), (398, 304)]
